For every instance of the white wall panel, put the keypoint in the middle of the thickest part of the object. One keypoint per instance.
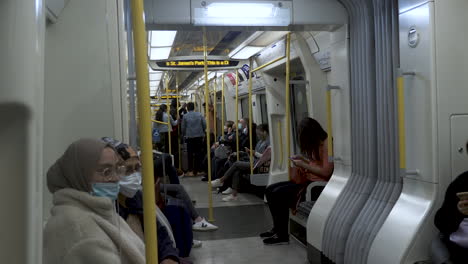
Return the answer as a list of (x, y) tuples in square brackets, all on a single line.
[(82, 78)]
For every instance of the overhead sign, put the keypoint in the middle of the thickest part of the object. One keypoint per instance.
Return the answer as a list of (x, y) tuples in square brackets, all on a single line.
[(194, 63)]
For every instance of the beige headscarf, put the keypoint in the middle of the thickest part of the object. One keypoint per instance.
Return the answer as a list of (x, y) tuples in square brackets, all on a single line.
[(75, 167)]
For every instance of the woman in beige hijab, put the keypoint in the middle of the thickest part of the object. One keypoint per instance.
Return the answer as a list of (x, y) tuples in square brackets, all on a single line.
[(84, 226)]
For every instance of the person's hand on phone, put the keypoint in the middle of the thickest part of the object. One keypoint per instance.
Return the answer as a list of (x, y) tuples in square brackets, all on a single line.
[(463, 203), (298, 163)]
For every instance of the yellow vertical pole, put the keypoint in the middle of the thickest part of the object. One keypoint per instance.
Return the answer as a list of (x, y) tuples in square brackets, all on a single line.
[(208, 144), (178, 125), (169, 125), (144, 124), (401, 122), (237, 115), (329, 126), (214, 108), (222, 103), (251, 133), (288, 101)]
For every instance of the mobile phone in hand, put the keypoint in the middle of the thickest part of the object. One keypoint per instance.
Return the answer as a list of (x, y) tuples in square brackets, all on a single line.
[(463, 195)]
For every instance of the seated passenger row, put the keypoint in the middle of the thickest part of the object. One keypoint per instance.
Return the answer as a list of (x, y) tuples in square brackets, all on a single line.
[(84, 225)]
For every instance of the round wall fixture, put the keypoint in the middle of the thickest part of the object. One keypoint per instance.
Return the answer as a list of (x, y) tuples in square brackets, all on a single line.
[(413, 37)]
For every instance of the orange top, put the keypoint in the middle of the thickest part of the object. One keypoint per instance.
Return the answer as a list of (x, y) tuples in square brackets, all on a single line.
[(325, 165)]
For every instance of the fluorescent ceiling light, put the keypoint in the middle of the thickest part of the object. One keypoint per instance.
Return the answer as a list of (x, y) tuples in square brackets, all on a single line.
[(246, 52), (260, 13), (160, 53), (245, 10), (162, 38)]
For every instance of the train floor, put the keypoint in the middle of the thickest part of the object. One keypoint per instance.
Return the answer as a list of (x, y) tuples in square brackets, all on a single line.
[(237, 241)]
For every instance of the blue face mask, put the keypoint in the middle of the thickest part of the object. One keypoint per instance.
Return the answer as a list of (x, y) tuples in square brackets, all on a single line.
[(106, 189)]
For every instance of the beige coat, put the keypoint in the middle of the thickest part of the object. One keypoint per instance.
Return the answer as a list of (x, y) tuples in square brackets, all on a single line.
[(86, 229)]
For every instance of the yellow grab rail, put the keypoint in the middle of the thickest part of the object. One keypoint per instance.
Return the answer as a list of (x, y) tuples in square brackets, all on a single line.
[(251, 133), (143, 93), (268, 64), (208, 145), (280, 133), (159, 122), (178, 125), (237, 115), (222, 104), (214, 108), (329, 126), (401, 121), (288, 100), (169, 126)]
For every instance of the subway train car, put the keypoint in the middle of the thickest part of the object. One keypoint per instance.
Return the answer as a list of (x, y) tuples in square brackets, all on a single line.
[(386, 80)]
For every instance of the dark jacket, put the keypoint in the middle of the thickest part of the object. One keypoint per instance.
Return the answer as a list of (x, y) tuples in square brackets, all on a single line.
[(135, 206), (448, 218)]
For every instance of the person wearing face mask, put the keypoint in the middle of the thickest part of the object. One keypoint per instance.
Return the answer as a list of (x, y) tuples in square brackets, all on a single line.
[(84, 226), (130, 203), (235, 172)]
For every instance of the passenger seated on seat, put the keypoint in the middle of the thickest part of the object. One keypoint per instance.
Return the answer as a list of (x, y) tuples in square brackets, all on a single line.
[(311, 165), (221, 149), (84, 226), (130, 206), (177, 191), (452, 219), (240, 167)]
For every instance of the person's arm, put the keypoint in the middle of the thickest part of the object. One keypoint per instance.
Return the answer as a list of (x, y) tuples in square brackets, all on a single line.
[(184, 125), (174, 122), (448, 217), (325, 170), (203, 122)]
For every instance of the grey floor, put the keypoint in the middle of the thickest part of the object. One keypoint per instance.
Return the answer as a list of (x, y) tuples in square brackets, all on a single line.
[(240, 222)]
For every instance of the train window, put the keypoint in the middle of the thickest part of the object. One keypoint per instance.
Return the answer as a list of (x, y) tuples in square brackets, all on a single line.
[(263, 108), (244, 107), (299, 110)]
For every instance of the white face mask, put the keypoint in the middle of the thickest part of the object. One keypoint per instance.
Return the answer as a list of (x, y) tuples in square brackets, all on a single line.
[(130, 184)]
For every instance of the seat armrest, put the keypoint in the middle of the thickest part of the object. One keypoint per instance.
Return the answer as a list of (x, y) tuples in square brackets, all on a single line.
[(312, 185)]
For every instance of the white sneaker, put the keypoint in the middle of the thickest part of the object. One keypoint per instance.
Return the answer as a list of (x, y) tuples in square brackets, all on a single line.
[(230, 198), (216, 183), (196, 243), (204, 225), (227, 191)]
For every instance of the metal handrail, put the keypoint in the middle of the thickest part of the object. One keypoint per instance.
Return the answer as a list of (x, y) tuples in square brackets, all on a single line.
[(143, 93)]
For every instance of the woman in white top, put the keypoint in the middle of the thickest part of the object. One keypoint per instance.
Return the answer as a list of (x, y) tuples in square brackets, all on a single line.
[(84, 226), (163, 128)]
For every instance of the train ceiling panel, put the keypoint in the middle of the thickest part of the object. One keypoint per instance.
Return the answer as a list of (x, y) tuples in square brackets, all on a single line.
[(320, 15)]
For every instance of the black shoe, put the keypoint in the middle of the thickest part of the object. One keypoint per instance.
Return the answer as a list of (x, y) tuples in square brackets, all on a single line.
[(276, 240), (268, 234), (205, 179)]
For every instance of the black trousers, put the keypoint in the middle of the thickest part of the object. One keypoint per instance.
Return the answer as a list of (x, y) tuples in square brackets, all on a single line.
[(281, 196), (195, 153)]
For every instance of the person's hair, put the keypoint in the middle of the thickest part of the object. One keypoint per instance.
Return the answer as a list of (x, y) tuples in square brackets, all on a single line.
[(230, 123), (264, 127), (190, 106), (246, 119), (174, 102), (160, 112), (311, 135)]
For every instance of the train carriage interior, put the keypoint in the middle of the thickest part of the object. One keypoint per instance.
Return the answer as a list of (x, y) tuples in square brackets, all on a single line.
[(339, 127)]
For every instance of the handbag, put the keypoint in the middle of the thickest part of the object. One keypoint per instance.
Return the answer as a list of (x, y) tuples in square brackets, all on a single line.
[(298, 175), (222, 152)]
